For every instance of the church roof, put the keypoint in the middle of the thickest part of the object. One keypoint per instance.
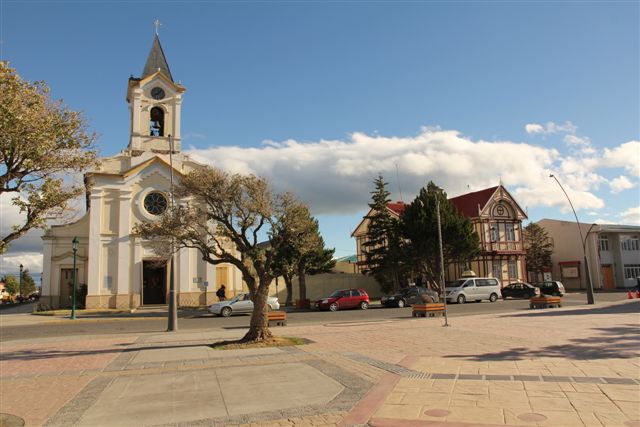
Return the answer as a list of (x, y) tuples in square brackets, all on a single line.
[(156, 61), (470, 204)]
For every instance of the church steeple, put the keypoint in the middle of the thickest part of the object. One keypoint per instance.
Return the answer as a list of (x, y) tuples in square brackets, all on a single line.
[(156, 61)]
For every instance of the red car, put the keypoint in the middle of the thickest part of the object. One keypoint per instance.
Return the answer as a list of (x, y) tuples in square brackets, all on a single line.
[(344, 298)]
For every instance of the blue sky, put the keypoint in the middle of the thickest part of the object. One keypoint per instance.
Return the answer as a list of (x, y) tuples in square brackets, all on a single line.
[(344, 90)]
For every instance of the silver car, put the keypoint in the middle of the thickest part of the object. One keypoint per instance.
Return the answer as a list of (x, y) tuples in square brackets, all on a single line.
[(474, 289), (241, 303)]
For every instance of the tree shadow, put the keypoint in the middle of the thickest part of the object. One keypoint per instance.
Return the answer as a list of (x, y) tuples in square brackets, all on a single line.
[(611, 342), (630, 307)]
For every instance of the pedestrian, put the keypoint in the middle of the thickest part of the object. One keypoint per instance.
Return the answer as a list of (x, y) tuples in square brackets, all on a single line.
[(221, 293)]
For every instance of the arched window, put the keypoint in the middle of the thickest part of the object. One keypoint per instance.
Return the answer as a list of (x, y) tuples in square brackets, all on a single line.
[(156, 124)]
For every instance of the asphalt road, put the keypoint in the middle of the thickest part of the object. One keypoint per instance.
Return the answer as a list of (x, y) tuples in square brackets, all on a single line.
[(200, 319)]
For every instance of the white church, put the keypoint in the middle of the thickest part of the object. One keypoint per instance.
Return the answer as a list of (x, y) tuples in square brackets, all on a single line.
[(118, 269)]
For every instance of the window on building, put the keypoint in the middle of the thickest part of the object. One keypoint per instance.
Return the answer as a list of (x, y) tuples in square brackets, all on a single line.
[(510, 232), (513, 268), (497, 269), (603, 240), (495, 233), (156, 125), (630, 244), (631, 271)]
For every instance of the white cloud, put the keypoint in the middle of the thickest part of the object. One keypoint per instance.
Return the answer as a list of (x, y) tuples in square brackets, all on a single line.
[(576, 140), (620, 183), (625, 156), (550, 128), (10, 263), (631, 216)]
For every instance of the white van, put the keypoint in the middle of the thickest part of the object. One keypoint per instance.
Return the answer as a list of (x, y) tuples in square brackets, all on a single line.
[(473, 289)]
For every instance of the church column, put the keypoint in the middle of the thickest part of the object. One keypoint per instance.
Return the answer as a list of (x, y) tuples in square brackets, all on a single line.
[(123, 283), (47, 293), (183, 279), (136, 106), (177, 144), (94, 282)]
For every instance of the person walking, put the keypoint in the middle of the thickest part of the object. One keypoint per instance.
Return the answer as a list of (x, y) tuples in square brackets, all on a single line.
[(221, 293)]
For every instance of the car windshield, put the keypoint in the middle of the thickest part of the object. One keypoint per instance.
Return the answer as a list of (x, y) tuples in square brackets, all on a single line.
[(336, 294), (237, 298)]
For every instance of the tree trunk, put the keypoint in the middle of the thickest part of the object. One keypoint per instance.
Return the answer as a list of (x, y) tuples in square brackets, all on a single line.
[(302, 283), (259, 324), (288, 281)]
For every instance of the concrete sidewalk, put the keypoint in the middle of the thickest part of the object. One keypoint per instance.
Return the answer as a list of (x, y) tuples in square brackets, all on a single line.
[(560, 367)]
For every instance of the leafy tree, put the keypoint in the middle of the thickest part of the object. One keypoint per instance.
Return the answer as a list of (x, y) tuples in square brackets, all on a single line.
[(539, 248), (28, 284), (301, 248), (225, 218), (382, 245), (460, 242), (39, 141), (11, 284)]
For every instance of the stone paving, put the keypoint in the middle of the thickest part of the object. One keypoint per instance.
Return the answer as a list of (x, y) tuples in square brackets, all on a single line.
[(560, 367)]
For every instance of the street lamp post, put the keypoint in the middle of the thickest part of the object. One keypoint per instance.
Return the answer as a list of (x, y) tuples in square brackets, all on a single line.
[(172, 315), (590, 298), (20, 281), (442, 284), (74, 245)]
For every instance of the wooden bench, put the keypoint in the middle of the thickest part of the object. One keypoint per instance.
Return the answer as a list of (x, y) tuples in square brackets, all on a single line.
[(279, 318), (545, 302), (430, 309)]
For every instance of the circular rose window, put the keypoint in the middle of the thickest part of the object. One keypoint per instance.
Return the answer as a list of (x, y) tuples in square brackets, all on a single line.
[(155, 203)]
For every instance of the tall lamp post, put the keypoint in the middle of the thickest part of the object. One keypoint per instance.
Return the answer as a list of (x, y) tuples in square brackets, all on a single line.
[(20, 281), (74, 245), (442, 284), (590, 299), (172, 315)]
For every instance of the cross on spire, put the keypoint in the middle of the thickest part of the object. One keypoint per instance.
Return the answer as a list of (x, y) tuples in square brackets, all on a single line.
[(157, 24)]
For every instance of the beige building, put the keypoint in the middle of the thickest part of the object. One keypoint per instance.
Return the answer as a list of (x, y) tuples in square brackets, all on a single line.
[(118, 269), (613, 254), (496, 217)]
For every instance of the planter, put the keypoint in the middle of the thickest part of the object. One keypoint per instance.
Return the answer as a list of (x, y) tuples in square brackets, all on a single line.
[(303, 303)]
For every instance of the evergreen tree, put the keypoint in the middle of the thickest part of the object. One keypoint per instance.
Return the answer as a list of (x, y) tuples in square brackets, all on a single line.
[(11, 284), (381, 247), (460, 242), (539, 249), (28, 284)]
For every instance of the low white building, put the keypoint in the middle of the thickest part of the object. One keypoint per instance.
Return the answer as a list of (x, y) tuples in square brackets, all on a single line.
[(118, 269), (613, 254)]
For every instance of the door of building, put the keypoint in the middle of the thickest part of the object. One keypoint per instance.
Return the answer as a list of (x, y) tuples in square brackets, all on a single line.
[(66, 287), (607, 277), (154, 282)]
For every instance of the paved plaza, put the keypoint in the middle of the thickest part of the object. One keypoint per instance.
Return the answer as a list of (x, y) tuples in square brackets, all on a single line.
[(559, 367)]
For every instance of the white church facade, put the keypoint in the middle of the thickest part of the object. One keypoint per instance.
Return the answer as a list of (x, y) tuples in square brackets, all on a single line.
[(121, 270)]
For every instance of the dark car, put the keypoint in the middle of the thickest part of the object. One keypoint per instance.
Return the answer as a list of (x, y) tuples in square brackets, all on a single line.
[(554, 288), (520, 290), (408, 296)]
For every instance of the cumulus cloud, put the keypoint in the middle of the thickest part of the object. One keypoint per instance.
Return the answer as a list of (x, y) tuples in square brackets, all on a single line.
[(32, 261), (533, 128), (335, 176), (631, 216), (550, 128), (620, 183), (625, 156)]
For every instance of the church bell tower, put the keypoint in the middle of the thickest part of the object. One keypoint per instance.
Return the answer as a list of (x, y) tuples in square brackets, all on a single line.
[(154, 104)]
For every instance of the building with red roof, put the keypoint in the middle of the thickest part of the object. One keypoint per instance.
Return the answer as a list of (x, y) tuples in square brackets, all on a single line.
[(496, 217)]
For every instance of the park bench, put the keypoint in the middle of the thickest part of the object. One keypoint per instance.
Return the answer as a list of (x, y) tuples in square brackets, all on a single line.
[(279, 318), (430, 309), (545, 302)]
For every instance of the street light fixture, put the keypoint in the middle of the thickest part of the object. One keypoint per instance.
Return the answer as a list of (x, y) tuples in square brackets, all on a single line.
[(172, 315), (20, 288), (74, 245), (583, 241), (442, 283)]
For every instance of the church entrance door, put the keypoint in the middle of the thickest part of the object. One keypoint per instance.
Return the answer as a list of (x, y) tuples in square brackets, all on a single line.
[(154, 282)]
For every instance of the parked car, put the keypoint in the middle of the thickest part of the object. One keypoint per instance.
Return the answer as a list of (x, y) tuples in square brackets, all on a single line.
[(408, 296), (241, 303), (473, 289), (343, 299), (554, 288), (520, 290)]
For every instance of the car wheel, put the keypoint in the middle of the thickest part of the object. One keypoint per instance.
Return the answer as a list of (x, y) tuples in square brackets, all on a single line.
[(226, 312), (400, 303), (364, 305), (333, 307), (493, 297), (461, 299)]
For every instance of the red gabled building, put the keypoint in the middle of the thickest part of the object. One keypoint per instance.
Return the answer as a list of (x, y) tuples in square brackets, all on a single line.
[(496, 217)]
